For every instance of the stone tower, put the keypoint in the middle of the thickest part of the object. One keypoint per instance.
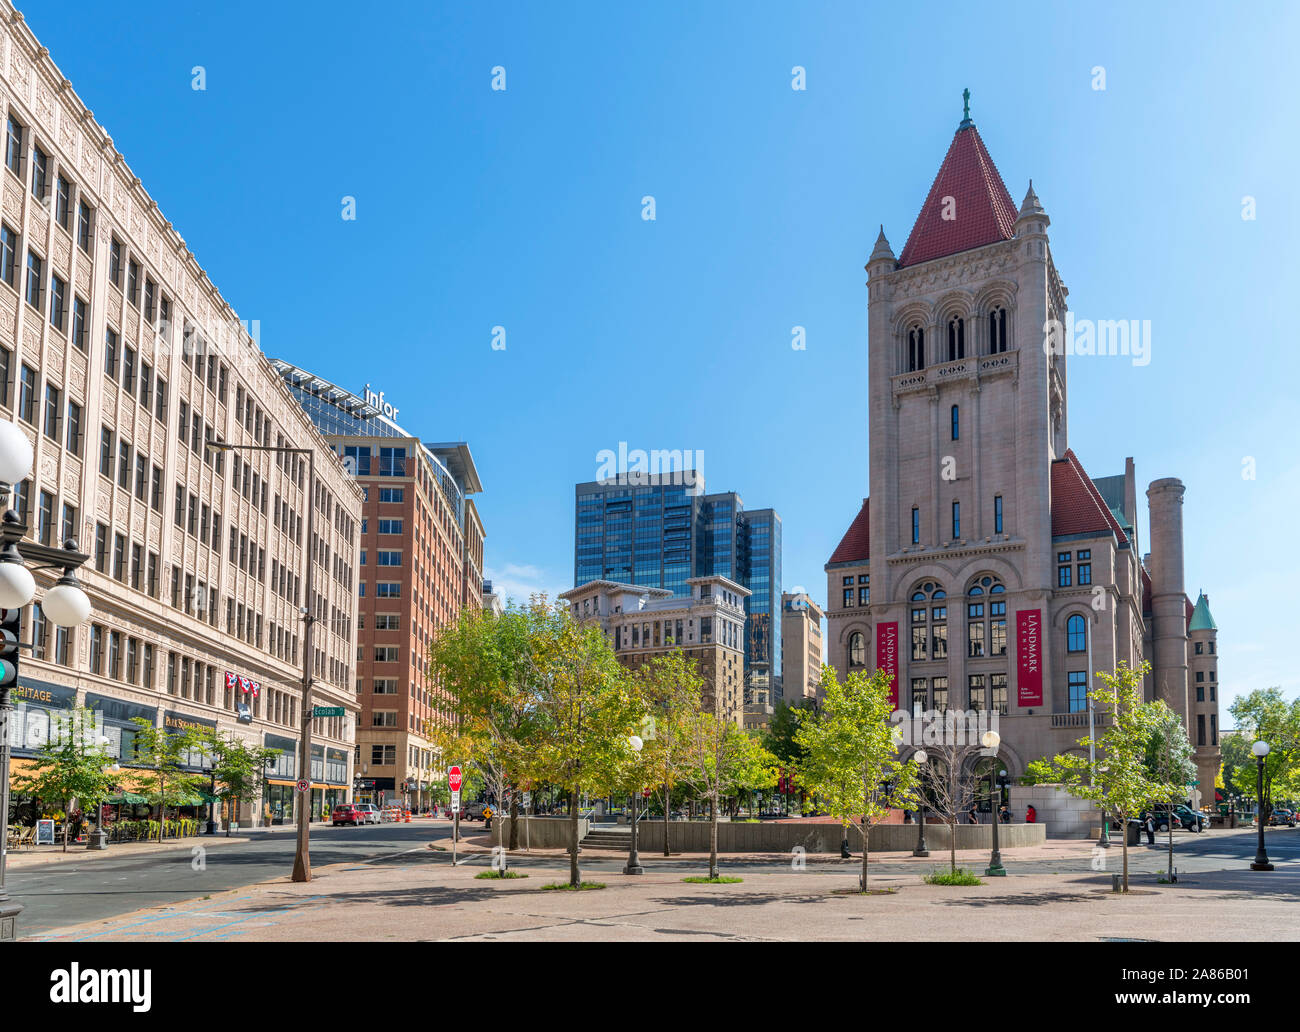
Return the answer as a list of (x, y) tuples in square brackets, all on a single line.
[(1168, 598)]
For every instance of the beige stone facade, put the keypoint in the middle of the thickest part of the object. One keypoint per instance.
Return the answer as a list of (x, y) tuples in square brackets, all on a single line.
[(646, 622), (120, 361), (987, 568), (801, 647)]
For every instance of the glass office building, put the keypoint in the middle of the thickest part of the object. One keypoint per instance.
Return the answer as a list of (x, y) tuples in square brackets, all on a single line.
[(659, 534)]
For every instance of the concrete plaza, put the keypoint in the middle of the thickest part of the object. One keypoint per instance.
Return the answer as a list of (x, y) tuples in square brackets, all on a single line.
[(1051, 893)]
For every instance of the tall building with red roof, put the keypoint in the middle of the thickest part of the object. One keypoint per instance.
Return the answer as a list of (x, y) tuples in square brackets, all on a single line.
[(987, 570)]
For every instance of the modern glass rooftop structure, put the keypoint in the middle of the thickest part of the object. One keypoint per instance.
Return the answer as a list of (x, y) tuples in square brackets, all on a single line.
[(660, 532)]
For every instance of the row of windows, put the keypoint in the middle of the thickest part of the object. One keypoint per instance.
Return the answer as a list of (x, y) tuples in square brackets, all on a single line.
[(1079, 569), (982, 692), (998, 524), (120, 365), (955, 340)]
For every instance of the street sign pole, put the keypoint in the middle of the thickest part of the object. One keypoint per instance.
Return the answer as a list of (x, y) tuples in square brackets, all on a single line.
[(453, 783)]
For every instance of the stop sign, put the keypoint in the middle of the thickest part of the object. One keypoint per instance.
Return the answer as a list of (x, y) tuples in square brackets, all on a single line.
[(453, 779)]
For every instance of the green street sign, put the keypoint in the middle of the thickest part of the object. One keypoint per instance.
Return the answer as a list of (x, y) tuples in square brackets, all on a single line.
[(327, 711)]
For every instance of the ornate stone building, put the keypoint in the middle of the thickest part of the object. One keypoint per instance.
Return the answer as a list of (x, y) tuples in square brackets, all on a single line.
[(121, 361), (987, 569)]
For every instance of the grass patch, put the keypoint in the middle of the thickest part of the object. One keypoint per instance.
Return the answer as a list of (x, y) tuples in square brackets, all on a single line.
[(722, 879), (563, 886), (961, 876), (499, 874)]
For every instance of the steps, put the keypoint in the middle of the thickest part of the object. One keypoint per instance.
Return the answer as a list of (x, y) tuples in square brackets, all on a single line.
[(608, 838)]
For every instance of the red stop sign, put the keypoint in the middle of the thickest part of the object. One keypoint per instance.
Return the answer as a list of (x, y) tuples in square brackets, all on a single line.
[(645, 792), (453, 779)]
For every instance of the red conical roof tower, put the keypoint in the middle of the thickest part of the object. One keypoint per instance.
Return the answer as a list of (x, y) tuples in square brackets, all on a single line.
[(968, 205)]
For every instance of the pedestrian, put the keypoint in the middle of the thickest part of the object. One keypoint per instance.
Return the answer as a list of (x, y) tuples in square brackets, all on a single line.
[(1031, 815), (1150, 825), (1004, 815), (971, 816)]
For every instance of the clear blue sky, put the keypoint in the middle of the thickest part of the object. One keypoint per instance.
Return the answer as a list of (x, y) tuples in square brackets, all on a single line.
[(522, 209)]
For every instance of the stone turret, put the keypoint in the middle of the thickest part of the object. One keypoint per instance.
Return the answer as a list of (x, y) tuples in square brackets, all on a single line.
[(1168, 597)]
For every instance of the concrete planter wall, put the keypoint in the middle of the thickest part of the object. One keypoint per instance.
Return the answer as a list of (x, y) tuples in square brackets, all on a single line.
[(539, 832), (1064, 815), (769, 837)]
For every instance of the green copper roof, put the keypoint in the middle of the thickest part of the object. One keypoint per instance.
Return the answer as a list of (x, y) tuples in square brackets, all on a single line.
[(1201, 618)]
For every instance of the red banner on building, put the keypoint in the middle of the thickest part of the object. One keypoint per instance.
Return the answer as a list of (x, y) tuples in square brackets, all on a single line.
[(1029, 657), (887, 656)]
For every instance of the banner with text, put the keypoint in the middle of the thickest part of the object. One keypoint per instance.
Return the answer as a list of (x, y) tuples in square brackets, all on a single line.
[(1029, 657), (887, 656)]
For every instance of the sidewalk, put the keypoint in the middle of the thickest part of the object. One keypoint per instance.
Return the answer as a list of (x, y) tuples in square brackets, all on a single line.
[(43, 855)]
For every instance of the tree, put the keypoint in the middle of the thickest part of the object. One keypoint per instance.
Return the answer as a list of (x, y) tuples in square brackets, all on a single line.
[(671, 688), (1169, 760), (587, 709), (237, 767), (72, 764), (484, 665), (780, 736), (1121, 781), (1236, 755), (163, 780), (851, 755), (948, 792), (1038, 772), (1264, 715), (719, 757)]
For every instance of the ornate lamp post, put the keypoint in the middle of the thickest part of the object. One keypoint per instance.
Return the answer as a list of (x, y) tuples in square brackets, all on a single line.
[(65, 604), (98, 839), (633, 858), (1260, 749), (991, 740), (921, 850)]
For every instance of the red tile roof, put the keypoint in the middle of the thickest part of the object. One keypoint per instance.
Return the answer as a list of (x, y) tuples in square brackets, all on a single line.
[(1077, 505), (981, 205), (855, 546)]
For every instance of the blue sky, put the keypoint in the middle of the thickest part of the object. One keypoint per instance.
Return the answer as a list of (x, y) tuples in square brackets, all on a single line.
[(522, 209)]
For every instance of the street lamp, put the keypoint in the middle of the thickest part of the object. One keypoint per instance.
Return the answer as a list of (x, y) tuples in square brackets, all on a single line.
[(920, 757), (1260, 749), (301, 857), (991, 740), (633, 859), (65, 604), (98, 839)]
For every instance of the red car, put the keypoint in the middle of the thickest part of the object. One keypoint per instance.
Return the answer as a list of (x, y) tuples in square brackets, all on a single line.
[(346, 813)]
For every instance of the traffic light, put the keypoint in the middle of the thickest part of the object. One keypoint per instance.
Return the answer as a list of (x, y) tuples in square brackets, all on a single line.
[(10, 625)]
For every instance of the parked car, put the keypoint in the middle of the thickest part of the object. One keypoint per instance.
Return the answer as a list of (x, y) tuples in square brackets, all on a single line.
[(1162, 817), (477, 812), (371, 812), (1191, 819), (1282, 815), (348, 813)]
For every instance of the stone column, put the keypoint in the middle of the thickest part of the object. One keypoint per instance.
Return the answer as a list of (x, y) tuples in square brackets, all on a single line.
[(1168, 598)]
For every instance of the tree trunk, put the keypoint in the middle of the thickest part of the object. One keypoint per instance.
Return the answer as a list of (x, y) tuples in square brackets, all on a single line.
[(575, 879), (668, 802), (1125, 882), (514, 820), (501, 853), (1170, 873), (713, 838), (67, 819), (866, 848), (952, 843)]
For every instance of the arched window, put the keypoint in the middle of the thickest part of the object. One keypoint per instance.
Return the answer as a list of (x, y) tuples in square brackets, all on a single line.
[(956, 338), (857, 649), (915, 349), (1076, 634), (986, 618), (956, 423), (929, 623), (997, 331)]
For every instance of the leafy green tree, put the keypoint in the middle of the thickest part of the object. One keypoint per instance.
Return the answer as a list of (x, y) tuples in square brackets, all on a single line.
[(671, 688), (1039, 772), (1264, 715), (780, 737), (720, 756), (1122, 781), (1235, 754), (587, 708), (1169, 759), (851, 755), (163, 779), (71, 764), (238, 768)]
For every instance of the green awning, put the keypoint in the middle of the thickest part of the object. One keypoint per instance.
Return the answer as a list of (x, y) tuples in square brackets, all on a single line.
[(127, 798)]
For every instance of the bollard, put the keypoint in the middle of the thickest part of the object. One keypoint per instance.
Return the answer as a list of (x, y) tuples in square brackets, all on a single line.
[(1114, 883)]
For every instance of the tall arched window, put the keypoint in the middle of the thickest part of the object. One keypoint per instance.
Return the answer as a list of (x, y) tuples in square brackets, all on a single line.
[(997, 331), (929, 622), (956, 423), (915, 349), (956, 338), (1076, 634), (857, 649)]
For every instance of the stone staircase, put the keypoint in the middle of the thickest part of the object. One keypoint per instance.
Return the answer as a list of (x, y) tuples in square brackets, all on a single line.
[(608, 836)]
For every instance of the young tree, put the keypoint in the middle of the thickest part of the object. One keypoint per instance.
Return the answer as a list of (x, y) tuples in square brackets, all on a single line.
[(1264, 715), (851, 755), (72, 764), (587, 710), (163, 780), (720, 756), (780, 736), (671, 687), (949, 792), (1121, 781), (484, 665), (1169, 760), (238, 768)]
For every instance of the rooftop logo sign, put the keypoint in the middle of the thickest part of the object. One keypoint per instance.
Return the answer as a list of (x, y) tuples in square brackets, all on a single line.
[(377, 400)]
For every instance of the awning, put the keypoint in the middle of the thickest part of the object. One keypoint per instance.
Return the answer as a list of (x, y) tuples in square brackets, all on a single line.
[(126, 799)]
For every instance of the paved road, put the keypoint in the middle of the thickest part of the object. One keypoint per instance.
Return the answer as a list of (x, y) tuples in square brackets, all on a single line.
[(70, 892)]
